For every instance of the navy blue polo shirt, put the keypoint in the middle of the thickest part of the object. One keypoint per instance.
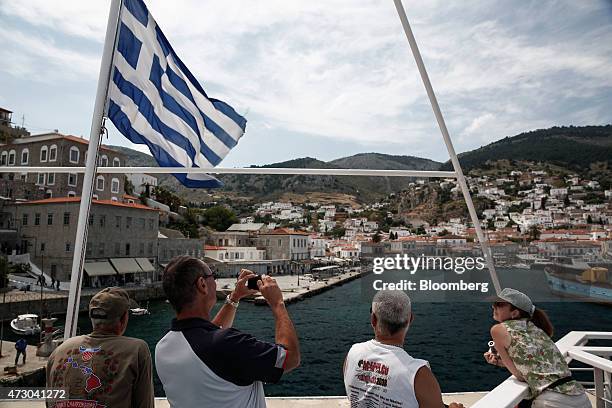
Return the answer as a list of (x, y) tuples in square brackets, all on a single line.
[(200, 363)]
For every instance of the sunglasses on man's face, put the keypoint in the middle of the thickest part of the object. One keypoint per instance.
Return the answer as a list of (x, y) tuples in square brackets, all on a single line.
[(213, 275)]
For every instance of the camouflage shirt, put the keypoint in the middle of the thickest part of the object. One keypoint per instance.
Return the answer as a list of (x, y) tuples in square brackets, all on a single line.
[(538, 359)]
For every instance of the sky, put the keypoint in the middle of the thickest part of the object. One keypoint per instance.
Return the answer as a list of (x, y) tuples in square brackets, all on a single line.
[(329, 79)]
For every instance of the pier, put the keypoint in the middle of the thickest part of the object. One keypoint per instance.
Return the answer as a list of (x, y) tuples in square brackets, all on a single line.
[(294, 287)]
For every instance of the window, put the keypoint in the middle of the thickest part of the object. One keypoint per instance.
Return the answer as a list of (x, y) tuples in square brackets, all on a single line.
[(104, 161), (53, 153), (66, 218), (37, 219), (141, 223), (44, 154), (101, 249), (127, 248), (116, 162), (42, 247), (117, 248), (3, 158), (141, 248), (150, 248), (50, 219), (11, 158), (88, 249), (68, 246), (74, 154), (25, 156), (71, 194), (91, 219), (117, 221), (128, 222), (40, 179), (23, 176), (102, 220), (100, 183), (24, 220), (72, 179), (50, 179), (151, 223), (115, 186)]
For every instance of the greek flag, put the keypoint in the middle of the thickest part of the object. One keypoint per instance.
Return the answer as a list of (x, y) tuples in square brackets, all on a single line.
[(153, 99)]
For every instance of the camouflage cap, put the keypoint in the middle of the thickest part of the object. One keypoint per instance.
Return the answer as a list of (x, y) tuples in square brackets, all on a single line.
[(109, 303)]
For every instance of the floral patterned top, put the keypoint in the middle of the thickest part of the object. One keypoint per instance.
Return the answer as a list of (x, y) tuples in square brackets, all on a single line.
[(538, 359)]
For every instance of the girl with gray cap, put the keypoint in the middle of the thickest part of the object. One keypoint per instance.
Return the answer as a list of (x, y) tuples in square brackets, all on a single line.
[(524, 346)]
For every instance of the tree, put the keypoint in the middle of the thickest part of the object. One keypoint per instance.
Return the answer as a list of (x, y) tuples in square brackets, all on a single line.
[(336, 232), (589, 219), (443, 233), (165, 196), (533, 232), (376, 238), (129, 187), (219, 217)]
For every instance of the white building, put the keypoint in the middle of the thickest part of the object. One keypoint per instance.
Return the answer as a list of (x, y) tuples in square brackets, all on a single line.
[(141, 181)]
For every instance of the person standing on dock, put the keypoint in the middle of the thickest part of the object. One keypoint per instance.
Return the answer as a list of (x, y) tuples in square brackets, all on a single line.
[(203, 361), (379, 372), (104, 368), (21, 346)]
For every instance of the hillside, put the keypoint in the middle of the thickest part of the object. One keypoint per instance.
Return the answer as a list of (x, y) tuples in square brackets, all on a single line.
[(262, 187), (572, 147), (586, 150)]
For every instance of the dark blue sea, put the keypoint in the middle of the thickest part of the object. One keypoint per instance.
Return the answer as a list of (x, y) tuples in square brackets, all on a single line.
[(452, 335)]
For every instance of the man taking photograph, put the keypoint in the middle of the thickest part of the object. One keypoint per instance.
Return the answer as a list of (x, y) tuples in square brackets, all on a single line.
[(203, 361)]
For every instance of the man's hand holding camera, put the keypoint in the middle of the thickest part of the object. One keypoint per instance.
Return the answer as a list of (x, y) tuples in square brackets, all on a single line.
[(270, 291), (241, 290)]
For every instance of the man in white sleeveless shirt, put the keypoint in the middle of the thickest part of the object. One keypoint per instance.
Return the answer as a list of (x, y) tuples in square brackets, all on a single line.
[(379, 373)]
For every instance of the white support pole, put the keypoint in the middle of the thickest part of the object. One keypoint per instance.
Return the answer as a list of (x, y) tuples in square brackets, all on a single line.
[(449, 145), (80, 241)]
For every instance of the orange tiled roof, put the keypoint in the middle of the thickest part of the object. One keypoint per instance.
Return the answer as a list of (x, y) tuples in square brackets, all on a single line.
[(285, 231)]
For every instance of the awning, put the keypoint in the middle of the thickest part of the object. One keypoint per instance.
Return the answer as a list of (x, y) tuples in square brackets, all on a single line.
[(145, 264), (99, 269), (125, 265)]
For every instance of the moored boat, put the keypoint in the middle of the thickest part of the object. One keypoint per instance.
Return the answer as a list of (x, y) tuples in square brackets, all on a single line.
[(26, 325)]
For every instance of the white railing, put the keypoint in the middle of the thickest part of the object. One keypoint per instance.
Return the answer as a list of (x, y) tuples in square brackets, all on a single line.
[(573, 346), (238, 170)]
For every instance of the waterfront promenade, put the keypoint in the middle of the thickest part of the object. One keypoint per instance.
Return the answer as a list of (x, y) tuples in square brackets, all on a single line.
[(294, 287)]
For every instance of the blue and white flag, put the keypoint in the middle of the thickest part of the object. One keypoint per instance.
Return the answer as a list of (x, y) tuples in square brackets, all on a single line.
[(155, 100)]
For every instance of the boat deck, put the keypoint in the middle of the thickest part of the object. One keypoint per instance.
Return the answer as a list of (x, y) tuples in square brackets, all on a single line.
[(467, 399)]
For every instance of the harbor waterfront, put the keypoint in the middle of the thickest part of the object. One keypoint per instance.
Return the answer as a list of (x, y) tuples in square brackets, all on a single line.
[(451, 335)]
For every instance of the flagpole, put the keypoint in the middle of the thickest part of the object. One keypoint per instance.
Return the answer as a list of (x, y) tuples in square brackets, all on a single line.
[(449, 144), (80, 241)]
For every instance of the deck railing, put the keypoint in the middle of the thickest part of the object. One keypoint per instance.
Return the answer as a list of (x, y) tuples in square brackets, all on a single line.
[(574, 346)]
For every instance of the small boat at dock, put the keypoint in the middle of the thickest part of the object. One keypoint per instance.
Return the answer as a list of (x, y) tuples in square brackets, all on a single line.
[(26, 325)]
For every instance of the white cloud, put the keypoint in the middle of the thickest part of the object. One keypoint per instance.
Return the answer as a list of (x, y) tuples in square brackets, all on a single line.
[(343, 68)]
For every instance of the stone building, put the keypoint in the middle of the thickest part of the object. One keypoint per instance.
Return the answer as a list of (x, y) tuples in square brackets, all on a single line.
[(57, 150), (283, 243), (8, 131), (116, 230)]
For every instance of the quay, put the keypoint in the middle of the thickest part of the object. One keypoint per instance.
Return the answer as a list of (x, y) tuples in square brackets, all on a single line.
[(293, 287), (55, 303)]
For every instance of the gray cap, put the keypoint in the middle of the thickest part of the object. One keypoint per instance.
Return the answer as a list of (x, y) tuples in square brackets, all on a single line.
[(518, 300)]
